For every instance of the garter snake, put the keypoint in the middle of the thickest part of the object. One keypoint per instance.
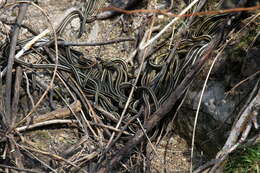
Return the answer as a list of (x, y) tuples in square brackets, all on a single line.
[(71, 14), (209, 25), (89, 11), (108, 82)]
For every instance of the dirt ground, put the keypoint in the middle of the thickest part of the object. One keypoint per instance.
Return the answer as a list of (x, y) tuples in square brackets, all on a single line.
[(176, 157), (170, 154), (178, 152)]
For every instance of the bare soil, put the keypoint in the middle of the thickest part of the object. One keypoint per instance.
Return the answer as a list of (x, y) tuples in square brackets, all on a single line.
[(172, 152)]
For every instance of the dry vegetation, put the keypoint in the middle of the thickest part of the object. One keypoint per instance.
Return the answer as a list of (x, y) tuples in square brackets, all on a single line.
[(108, 101)]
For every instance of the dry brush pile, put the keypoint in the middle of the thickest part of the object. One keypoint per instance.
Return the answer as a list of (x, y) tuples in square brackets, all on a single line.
[(119, 106)]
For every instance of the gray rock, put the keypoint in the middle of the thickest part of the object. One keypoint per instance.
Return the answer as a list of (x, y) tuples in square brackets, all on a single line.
[(215, 103), (218, 109)]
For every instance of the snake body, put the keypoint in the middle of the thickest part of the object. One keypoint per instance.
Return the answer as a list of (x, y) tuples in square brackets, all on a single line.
[(108, 82)]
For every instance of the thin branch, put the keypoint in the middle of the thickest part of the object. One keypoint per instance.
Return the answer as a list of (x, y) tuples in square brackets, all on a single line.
[(56, 62), (16, 94), (22, 11), (18, 169), (141, 47), (144, 53), (45, 123), (200, 100), (54, 156), (59, 113), (239, 129), (167, 13), (66, 43)]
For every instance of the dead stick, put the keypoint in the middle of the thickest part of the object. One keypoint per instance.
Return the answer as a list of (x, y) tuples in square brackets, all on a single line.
[(45, 123), (59, 113), (22, 12), (18, 169), (17, 87)]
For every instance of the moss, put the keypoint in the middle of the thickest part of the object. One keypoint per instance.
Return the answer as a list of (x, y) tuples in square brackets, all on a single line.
[(43, 134), (245, 41), (244, 160)]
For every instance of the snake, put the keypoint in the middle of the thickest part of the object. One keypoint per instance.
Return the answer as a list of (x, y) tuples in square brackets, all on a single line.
[(108, 82), (89, 12)]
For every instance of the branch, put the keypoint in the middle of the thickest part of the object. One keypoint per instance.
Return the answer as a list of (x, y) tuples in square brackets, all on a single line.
[(19, 19)]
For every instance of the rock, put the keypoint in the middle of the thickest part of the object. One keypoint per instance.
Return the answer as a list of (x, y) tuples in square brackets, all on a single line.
[(218, 108), (213, 121)]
